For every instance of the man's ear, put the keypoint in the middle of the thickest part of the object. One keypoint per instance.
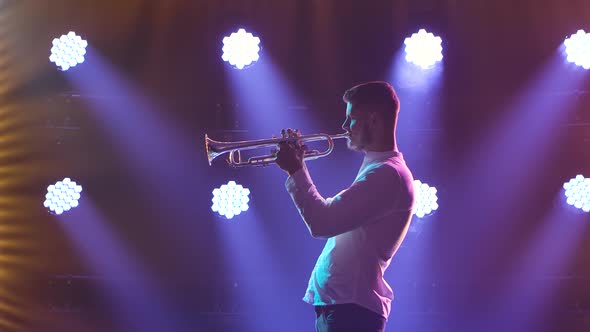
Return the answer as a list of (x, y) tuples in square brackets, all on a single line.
[(373, 118)]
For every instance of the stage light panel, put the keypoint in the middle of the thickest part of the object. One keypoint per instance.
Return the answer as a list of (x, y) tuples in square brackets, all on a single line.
[(68, 51), (230, 200), (425, 199), (62, 196), (240, 49), (577, 192), (423, 49), (577, 49)]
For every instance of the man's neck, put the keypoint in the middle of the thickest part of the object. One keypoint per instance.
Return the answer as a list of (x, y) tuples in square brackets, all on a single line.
[(391, 146)]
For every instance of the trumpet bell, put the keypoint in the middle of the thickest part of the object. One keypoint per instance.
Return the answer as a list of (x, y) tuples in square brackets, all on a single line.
[(214, 149)]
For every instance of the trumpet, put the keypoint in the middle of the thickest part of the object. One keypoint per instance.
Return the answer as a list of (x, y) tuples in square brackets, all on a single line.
[(214, 149)]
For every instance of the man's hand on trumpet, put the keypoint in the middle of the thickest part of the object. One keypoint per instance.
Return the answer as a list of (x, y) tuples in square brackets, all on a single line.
[(290, 153)]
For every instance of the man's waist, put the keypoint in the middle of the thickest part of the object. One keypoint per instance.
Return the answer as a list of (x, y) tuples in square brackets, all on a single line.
[(348, 308), (324, 308)]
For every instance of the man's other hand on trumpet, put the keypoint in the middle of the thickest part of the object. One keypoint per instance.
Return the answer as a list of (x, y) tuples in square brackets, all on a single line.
[(290, 153)]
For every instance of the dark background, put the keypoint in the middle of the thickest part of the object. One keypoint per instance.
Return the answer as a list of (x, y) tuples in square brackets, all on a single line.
[(477, 264)]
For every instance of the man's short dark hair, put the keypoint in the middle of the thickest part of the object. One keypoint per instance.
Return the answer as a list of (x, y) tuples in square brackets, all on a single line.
[(375, 93)]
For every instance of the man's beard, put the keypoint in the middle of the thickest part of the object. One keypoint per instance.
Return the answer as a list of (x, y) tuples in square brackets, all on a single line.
[(351, 146), (367, 137), (355, 147)]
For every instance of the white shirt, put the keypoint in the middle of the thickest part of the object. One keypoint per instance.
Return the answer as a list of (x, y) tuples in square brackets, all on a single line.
[(365, 225)]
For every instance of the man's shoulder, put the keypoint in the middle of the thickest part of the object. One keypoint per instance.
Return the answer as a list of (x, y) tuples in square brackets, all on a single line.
[(397, 166), (386, 169)]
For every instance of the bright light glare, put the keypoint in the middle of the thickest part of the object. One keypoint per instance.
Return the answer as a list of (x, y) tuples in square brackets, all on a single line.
[(426, 199), (68, 51), (62, 196), (577, 49), (423, 49), (230, 200), (577, 192), (240, 49)]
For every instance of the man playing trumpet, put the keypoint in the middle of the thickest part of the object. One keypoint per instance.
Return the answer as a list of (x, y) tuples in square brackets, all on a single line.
[(364, 224)]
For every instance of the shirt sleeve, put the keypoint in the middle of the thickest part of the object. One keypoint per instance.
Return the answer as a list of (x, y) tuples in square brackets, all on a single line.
[(371, 197)]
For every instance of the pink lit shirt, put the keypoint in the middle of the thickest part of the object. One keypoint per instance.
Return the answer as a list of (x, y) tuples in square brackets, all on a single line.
[(364, 224)]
